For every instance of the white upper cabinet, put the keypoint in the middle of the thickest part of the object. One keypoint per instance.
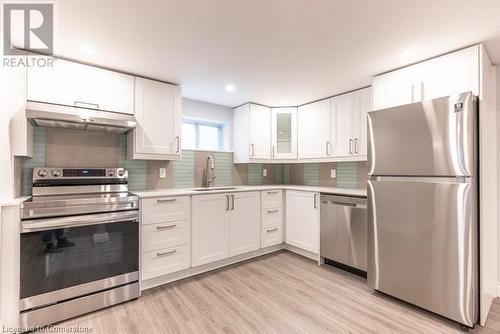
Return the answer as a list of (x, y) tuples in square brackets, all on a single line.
[(342, 124), (158, 116), (453, 73), (362, 106), (314, 130), (75, 84), (252, 133), (284, 133), (244, 223)]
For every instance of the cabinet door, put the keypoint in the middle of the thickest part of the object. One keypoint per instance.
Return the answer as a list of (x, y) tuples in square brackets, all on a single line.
[(302, 220), (284, 133), (210, 228), (244, 223), (397, 88), (342, 126), (454, 73), (314, 130), (260, 132), (362, 106), (74, 84), (241, 134), (158, 115)]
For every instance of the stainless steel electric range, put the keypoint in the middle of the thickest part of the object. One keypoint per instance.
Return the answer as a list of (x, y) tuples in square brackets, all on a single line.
[(79, 244)]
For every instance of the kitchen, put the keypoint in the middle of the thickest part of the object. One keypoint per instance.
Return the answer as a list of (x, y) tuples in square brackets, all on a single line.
[(339, 187)]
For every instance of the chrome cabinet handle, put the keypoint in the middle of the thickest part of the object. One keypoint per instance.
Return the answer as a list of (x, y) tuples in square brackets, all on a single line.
[(170, 252), (273, 211), (272, 230), (350, 146), (177, 138), (412, 93), (163, 227), (252, 150), (273, 192), (273, 151), (328, 148), (170, 200), (356, 145), (227, 202), (83, 104), (315, 201), (232, 202)]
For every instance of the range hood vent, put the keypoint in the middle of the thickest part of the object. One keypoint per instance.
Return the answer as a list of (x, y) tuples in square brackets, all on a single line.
[(59, 116)]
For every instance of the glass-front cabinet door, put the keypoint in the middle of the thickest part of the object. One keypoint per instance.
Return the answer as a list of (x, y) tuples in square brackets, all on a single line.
[(284, 133)]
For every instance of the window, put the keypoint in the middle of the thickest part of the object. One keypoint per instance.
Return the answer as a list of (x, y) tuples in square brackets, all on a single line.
[(201, 135)]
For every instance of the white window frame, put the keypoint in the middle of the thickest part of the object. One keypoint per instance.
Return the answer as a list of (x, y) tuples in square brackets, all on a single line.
[(197, 123)]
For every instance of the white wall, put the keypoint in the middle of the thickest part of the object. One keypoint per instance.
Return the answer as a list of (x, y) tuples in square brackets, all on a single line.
[(211, 112)]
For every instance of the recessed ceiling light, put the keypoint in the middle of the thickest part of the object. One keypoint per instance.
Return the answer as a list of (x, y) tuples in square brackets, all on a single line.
[(87, 49), (408, 53), (230, 88)]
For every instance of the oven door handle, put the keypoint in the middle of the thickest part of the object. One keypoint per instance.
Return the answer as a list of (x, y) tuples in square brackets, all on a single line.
[(74, 221)]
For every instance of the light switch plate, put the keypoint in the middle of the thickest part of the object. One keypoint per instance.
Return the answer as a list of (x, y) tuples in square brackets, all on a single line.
[(163, 173), (333, 173), (264, 172)]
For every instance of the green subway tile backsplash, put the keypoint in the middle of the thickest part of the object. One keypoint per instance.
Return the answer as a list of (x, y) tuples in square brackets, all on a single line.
[(255, 174), (137, 169), (347, 174), (38, 160), (183, 170), (223, 163), (311, 174)]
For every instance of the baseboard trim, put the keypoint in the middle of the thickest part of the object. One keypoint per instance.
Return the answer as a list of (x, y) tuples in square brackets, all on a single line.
[(300, 251), (193, 271)]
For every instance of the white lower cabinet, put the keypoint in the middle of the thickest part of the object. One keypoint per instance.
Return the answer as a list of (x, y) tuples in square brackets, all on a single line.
[(210, 234), (302, 220), (271, 218), (271, 236), (244, 223), (165, 235)]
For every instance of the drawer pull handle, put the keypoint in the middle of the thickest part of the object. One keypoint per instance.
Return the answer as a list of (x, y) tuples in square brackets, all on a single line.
[(273, 211), (273, 192), (159, 227), (272, 230), (170, 252), (166, 200)]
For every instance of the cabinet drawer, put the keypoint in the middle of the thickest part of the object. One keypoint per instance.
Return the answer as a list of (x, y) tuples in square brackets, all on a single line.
[(272, 217), (165, 261), (272, 199), (271, 236), (165, 209), (164, 235)]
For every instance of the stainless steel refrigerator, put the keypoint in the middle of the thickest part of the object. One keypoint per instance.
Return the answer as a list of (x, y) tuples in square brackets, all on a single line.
[(422, 205)]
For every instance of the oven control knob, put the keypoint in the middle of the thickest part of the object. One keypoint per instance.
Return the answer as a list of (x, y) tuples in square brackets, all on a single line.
[(121, 172), (56, 173), (42, 173), (110, 172)]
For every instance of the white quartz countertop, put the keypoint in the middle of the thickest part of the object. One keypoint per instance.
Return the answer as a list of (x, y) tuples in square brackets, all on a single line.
[(358, 192)]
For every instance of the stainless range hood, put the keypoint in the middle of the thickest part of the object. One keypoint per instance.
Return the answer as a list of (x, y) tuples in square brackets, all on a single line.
[(59, 116)]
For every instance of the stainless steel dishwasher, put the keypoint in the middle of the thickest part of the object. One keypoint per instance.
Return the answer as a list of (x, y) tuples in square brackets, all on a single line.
[(344, 228)]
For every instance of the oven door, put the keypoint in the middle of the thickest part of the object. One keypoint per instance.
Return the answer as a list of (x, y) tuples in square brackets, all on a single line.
[(64, 258)]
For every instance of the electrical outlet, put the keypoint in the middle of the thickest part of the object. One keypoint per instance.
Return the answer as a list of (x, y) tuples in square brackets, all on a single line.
[(264, 172), (333, 173), (163, 173)]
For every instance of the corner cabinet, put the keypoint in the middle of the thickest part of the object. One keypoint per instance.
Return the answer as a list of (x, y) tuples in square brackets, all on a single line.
[(158, 116), (252, 133), (302, 220), (284, 133), (75, 84)]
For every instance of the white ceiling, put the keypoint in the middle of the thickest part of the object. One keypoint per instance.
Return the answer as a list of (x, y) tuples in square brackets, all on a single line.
[(275, 52)]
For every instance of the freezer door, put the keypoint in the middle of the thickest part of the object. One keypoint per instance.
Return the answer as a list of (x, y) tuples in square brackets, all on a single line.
[(430, 138), (422, 243)]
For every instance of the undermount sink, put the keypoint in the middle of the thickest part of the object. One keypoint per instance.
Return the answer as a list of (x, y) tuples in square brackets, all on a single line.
[(214, 188)]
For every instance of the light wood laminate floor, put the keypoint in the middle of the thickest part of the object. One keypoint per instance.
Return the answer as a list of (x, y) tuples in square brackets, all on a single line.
[(276, 293)]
